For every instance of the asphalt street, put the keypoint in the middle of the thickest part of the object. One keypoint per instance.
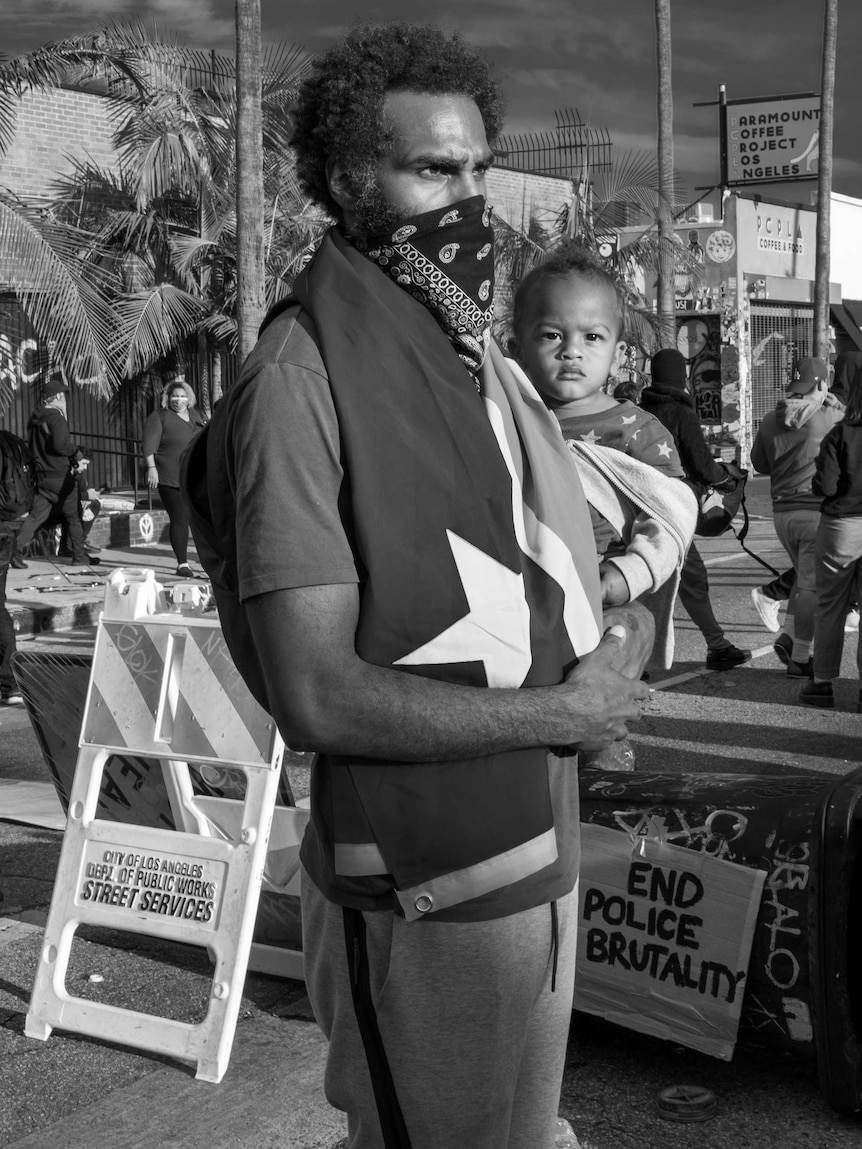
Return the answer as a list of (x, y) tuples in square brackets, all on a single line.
[(73, 1092)]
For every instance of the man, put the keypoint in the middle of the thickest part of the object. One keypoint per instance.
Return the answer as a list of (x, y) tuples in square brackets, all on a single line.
[(668, 399), (785, 448), (359, 503), (10, 695), (57, 463)]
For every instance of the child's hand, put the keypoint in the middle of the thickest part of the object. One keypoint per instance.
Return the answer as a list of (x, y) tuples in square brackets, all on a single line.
[(615, 590)]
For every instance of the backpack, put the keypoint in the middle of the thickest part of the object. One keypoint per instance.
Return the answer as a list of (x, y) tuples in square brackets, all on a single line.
[(17, 477), (718, 507)]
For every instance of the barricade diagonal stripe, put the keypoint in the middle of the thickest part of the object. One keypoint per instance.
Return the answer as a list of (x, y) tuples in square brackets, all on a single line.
[(207, 712), (143, 657), (249, 715), (129, 690), (102, 728)]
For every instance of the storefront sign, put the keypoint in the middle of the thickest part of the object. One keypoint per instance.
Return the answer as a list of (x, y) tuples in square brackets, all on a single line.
[(664, 938), (776, 239), (772, 140)]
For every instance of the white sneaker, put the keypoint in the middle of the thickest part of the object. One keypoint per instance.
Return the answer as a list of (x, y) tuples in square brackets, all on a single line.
[(851, 622), (767, 608)]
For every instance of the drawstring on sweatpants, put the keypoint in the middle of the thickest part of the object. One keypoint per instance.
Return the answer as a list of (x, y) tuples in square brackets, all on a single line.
[(555, 945)]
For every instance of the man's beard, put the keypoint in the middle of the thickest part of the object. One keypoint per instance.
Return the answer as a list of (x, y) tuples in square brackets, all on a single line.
[(374, 213)]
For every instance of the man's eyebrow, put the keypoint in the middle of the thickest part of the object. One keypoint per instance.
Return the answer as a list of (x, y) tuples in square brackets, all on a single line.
[(448, 159)]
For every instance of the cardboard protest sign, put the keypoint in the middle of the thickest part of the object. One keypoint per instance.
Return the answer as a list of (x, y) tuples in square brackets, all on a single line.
[(664, 938)]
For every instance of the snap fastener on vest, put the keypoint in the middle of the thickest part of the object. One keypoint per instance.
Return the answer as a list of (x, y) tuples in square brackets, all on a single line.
[(424, 903)]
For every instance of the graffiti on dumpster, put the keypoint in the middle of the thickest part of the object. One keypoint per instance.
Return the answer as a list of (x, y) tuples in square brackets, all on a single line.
[(140, 881), (664, 935)]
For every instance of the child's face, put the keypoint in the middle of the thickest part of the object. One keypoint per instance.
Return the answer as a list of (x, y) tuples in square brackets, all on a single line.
[(568, 341)]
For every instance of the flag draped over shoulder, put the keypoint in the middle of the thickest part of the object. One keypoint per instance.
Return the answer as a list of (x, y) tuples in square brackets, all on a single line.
[(466, 513)]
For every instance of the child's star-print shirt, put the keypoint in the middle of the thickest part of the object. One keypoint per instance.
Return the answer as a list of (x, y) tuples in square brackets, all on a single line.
[(629, 429), (626, 428)]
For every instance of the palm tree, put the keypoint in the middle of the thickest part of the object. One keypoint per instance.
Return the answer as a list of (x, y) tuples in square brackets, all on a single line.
[(249, 176), (824, 181), (164, 223)]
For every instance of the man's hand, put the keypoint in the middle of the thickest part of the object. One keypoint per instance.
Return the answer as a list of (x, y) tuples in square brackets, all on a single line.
[(603, 699)]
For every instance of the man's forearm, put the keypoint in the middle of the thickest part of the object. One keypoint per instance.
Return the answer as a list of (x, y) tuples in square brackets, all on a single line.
[(325, 698)]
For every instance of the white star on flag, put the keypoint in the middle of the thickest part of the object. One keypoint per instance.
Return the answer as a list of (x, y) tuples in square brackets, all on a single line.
[(635, 435), (628, 418), (590, 437), (496, 629), (664, 449)]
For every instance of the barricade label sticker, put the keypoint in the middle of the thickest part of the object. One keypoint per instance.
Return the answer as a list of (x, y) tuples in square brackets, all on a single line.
[(175, 886), (664, 938)]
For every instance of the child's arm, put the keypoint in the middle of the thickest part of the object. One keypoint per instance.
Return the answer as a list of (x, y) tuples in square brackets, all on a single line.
[(614, 588)]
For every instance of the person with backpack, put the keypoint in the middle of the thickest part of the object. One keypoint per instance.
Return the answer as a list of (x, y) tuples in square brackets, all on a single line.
[(668, 399), (167, 433), (785, 448), (56, 459)]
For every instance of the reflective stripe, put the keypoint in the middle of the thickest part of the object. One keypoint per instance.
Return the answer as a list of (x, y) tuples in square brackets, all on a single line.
[(492, 874), (359, 860)]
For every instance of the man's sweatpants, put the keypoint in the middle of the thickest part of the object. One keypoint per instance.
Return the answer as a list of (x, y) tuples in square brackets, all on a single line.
[(475, 1038)]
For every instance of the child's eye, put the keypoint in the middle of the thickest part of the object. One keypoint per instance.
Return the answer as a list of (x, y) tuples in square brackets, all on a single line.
[(550, 336), (594, 337)]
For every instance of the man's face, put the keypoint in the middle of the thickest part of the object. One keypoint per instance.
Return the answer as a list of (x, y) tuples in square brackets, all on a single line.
[(438, 155)]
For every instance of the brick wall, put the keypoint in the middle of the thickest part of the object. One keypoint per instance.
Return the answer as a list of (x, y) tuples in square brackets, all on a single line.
[(51, 125), (517, 195)]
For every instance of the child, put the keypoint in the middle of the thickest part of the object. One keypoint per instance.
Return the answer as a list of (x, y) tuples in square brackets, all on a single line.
[(568, 322)]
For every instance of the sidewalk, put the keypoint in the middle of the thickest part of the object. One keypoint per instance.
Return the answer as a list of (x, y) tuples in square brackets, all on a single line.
[(52, 595)]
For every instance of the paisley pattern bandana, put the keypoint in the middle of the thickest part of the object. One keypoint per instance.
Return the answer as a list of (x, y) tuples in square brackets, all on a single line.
[(445, 259)]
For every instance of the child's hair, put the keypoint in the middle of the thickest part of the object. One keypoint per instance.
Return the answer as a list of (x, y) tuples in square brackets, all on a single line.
[(572, 259)]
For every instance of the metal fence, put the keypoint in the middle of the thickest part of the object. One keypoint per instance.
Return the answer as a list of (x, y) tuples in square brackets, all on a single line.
[(780, 333)]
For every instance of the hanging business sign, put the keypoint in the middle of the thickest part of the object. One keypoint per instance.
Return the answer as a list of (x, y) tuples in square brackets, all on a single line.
[(772, 140)]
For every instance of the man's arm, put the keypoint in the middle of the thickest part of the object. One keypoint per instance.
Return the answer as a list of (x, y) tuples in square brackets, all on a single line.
[(325, 698)]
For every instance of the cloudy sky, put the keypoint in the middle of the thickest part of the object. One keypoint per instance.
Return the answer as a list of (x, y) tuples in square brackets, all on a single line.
[(557, 54)]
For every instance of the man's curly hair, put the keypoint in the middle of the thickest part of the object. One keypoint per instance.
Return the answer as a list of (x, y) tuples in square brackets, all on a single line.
[(339, 110)]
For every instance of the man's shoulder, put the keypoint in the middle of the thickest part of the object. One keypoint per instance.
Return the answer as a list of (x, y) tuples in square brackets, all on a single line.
[(288, 338)]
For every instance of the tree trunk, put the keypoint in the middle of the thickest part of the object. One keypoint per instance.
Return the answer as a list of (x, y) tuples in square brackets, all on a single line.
[(204, 389), (666, 255), (824, 182), (249, 177)]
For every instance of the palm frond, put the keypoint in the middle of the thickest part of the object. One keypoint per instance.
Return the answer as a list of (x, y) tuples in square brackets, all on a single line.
[(153, 323), (65, 295)]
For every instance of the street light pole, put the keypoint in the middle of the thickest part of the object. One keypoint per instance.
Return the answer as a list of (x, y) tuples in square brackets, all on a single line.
[(824, 182)]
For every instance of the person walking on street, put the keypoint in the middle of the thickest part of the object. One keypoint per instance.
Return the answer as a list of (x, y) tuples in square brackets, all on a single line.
[(10, 695), (668, 399), (785, 448), (402, 559), (167, 433), (838, 547), (57, 461)]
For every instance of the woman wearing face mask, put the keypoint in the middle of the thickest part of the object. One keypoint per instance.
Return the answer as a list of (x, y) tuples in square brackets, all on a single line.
[(167, 433)]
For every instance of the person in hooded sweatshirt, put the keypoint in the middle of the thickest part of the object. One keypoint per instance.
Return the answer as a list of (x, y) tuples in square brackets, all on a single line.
[(786, 448), (58, 461), (838, 481), (668, 399)]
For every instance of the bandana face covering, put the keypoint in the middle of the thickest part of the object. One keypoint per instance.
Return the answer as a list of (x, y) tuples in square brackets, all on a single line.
[(445, 259)]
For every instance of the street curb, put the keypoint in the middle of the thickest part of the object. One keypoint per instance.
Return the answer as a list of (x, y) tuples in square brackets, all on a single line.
[(33, 620)]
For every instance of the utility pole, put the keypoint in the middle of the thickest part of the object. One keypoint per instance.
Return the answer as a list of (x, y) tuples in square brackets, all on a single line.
[(824, 181), (249, 177), (666, 255)]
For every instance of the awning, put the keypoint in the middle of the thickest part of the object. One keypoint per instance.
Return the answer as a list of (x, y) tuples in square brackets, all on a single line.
[(848, 315)]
